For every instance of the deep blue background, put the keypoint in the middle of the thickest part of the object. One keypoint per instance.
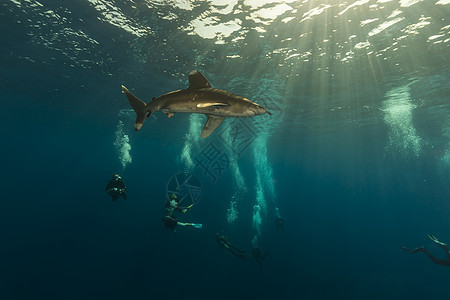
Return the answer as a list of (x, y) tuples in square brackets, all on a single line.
[(346, 214)]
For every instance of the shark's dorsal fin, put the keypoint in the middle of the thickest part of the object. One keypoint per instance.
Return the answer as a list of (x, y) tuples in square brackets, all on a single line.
[(216, 104), (211, 124), (197, 80)]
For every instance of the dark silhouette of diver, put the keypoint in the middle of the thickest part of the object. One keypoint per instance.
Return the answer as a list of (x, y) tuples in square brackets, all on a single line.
[(172, 206), (116, 188), (257, 253), (224, 243), (279, 222), (442, 262)]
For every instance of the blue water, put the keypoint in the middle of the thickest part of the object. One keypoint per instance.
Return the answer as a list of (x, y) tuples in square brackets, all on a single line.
[(356, 155)]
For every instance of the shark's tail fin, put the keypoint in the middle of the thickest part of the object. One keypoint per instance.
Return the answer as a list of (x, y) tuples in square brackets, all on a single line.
[(138, 106)]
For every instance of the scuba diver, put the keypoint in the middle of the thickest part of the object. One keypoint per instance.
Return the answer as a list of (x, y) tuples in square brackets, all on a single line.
[(279, 222), (170, 220), (116, 188), (224, 243), (442, 262), (257, 253)]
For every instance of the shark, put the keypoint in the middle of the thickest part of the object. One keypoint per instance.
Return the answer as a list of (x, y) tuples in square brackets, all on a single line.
[(198, 98)]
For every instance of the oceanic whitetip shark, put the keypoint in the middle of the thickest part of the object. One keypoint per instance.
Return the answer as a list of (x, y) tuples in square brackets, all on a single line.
[(199, 98)]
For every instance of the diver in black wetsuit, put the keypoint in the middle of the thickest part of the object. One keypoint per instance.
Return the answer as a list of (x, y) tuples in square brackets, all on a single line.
[(224, 243), (279, 222), (169, 219), (257, 253), (442, 262), (116, 188)]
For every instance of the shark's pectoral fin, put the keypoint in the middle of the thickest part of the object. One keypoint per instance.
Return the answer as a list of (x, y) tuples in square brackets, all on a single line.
[(169, 115), (211, 124), (215, 104)]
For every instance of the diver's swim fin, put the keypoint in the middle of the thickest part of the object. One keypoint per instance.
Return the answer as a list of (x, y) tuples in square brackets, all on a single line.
[(198, 226)]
